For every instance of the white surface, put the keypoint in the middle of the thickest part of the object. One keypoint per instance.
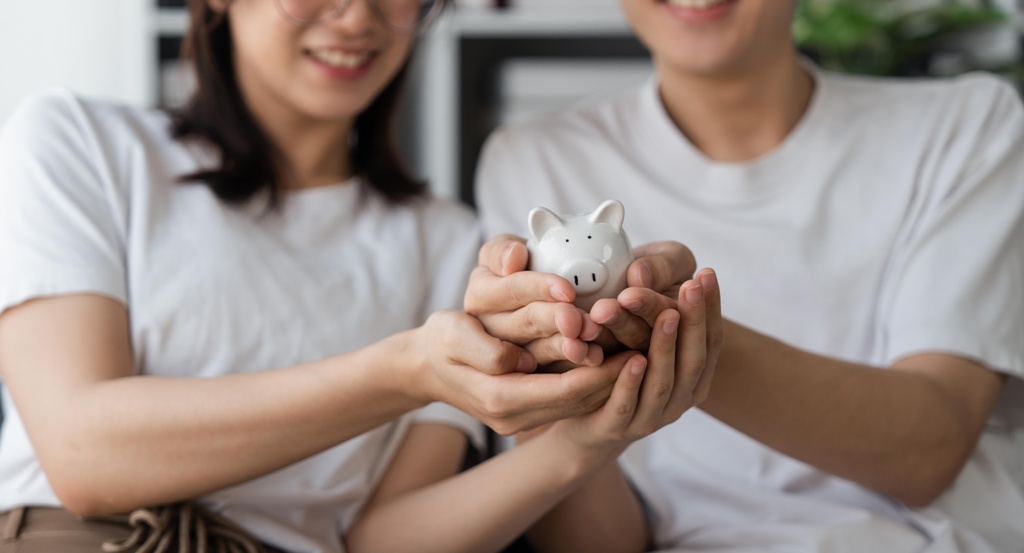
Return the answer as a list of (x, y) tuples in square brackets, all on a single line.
[(95, 47)]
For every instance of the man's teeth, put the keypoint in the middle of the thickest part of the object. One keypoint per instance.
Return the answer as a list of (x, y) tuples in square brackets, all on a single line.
[(336, 58), (697, 4)]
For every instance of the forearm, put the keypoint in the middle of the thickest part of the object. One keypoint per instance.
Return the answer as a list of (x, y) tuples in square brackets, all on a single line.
[(148, 440), (485, 508), (887, 429)]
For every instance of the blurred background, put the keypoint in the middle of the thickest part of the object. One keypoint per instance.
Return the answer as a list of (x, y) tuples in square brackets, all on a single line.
[(493, 61)]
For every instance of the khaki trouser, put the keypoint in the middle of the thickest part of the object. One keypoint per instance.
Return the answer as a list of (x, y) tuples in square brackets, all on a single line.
[(181, 528)]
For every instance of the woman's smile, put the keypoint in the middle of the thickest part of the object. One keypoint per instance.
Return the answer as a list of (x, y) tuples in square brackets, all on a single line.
[(338, 63)]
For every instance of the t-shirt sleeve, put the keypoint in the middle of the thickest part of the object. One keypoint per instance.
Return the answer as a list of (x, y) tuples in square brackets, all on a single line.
[(452, 245), (959, 284), (59, 230)]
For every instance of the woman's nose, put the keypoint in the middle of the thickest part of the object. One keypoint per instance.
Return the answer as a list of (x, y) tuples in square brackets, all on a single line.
[(355, 15)]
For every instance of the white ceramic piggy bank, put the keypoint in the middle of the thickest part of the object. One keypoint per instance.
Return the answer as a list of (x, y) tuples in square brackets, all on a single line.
[(591, 251)]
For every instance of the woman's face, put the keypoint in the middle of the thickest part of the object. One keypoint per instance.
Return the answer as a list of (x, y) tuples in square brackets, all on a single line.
[(713, 38), (325, 71)]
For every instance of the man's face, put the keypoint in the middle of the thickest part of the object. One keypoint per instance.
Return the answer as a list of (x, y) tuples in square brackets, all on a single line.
[(712, 38)]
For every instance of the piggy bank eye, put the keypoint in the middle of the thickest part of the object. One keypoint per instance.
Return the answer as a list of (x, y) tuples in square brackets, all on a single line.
[(590, 238), (566, 240)]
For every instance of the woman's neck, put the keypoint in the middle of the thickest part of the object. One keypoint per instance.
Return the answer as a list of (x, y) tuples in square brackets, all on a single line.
[(741, 117), (316, 151)]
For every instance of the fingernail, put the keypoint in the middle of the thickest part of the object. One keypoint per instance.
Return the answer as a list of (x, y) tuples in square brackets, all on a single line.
[(613, 319), (694, 295), (646, 275), (526, 363), (638, 366), (594, 356), (671, 325), (635, 305), (506, 255), (559, 295), (709, 280)]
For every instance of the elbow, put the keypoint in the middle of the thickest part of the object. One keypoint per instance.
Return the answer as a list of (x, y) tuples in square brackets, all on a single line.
[(82, 502), (920, 487), (86, 498)]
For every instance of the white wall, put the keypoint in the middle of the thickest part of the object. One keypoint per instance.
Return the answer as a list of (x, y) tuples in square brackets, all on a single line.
[(95, 47)]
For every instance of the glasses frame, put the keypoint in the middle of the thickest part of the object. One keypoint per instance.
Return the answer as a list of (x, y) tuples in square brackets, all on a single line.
[(342, 5)]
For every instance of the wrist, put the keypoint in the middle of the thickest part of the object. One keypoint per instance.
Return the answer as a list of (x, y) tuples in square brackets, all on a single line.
[(581, 459), (405, 368)]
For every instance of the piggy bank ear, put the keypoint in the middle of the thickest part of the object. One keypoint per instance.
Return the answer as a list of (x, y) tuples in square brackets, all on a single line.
[(610, 212), (542, 220)]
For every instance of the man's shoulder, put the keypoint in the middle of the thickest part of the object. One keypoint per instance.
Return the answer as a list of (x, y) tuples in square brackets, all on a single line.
[(965, 95)]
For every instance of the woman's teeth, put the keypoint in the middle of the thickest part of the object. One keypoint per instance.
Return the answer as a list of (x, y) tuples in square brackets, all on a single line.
[(336, 58), (697, 4)]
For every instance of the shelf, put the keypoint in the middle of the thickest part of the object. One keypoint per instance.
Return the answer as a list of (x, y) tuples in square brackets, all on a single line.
[(476, 22), (171, 21), (535, 22)]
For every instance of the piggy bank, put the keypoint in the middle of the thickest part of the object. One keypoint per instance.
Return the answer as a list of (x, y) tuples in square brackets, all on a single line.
[(590, 251)]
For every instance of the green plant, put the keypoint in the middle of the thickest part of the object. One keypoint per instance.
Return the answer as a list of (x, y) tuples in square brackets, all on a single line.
[(885, 37)]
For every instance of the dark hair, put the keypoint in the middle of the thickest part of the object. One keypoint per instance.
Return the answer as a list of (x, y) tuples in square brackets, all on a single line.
[(250, 162)]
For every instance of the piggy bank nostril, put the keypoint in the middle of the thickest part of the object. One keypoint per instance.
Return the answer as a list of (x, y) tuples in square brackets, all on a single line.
[(577, 279), (593, 276)]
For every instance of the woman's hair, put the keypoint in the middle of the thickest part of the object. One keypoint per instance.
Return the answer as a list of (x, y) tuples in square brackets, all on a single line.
[(250, 162)]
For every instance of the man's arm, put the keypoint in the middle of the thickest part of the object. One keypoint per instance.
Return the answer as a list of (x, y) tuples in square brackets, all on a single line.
[(905, 431)]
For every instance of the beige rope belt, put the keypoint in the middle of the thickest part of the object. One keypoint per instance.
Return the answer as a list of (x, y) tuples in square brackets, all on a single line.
[(182, 528)]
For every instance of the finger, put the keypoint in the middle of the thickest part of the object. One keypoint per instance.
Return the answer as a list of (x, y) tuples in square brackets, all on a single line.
[(474, 347), (488, 293), (660, 265), (617, 414), (525, 401), (715, 331), (660, 380), (625, 327), (557, 348), (504, 254), (645, 303), (692, 344), (536, 320)]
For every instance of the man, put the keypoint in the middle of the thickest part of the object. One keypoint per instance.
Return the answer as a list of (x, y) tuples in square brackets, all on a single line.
[(869, 238)]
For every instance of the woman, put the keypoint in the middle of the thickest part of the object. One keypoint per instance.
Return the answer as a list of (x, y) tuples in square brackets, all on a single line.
[(219, 323), (870, 233)]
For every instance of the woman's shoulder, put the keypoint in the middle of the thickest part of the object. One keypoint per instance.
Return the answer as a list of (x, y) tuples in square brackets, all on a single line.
[(60, 116)]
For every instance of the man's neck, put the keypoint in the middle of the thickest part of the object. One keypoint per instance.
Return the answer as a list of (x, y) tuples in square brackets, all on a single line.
[(741, 117)]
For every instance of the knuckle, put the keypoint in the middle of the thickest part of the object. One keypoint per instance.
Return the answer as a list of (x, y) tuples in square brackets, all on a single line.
[(513, 293), (624, 411), (662, 390)]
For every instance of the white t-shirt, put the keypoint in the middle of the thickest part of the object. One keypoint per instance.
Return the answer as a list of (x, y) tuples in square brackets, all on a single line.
[(89, 203), (889, 222)]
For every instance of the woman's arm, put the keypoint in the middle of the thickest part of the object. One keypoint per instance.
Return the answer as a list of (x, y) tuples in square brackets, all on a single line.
[(570, 464), (110, 441)]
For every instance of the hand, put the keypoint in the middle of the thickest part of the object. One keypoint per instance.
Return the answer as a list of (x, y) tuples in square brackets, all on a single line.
[(653, 392), (534, 309), (654, 279), (459, 363), (527, 308)]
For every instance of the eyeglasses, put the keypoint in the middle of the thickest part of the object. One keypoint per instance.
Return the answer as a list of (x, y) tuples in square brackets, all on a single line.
[(402, 15)]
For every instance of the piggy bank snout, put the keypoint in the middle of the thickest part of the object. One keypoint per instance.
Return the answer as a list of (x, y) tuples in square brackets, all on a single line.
[(586, 275)]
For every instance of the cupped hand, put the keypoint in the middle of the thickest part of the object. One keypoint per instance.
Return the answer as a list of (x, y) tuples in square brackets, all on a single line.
[(654, 280), (654, 391), (458, 362)]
